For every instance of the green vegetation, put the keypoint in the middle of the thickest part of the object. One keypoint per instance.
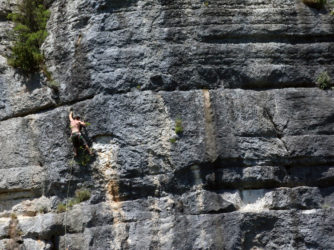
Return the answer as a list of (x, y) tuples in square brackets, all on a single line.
[(173, 140), (178, 126), (61, 208), (138, 87), (83, 158), (30, 32), (178, 130), (71, 163), (72, 202), (80, 196), (43, 210), (325, 206), (13, 216), (315, 3), (323, 80), (53, 85)]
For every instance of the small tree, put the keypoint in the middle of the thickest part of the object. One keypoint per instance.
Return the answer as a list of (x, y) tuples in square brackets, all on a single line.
[(29, 32)]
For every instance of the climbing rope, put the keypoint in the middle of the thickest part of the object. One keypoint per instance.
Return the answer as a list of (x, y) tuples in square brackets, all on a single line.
[(67, 194)]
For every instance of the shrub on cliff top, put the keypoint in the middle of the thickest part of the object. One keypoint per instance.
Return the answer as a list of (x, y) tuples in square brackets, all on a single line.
[(30, 32)]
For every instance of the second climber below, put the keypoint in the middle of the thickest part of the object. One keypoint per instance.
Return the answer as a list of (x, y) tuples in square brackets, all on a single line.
[(76, 136)]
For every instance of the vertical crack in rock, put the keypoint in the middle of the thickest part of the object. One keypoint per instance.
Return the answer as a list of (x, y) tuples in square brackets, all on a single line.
[(277, 131), (165, 132), (210, 135)]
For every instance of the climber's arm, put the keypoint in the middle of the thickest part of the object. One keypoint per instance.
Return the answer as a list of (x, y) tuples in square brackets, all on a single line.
[(71, 116), (83, 124)]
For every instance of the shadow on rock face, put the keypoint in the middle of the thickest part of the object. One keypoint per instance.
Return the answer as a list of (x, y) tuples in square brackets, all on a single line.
[(84, 158), (109, 6), (254, 228), (33, 82), (207, 173)]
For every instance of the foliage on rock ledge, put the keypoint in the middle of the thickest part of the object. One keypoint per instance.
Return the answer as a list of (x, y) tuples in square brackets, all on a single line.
[(30, 32), (324, 80), (80, 196), (178, 126)]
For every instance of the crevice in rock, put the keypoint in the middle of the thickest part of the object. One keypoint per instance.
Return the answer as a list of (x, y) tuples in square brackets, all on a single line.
[(3, 17), (277, 130), (53, 106), (267, 38), (210, 128), (47, 108), (233, 174)]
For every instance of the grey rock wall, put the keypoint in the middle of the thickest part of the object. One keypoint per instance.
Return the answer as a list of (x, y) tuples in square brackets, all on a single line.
[(253, 167)]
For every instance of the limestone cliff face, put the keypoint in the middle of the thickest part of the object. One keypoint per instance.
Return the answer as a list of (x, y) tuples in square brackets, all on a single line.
[(253, 167)]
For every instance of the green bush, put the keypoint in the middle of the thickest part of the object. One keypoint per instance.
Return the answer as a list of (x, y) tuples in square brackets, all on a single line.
[(61, 208), (72, 202), (82, 195), (324, 81), (315, 3), (178, 126), (172, 140), (84, 158), (30, 32)]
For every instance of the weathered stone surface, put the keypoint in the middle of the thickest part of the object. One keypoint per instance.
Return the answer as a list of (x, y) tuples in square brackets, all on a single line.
[(290, 230), (4, 227), (253, 167), (266, 230), (36, 245), (186, 45), (135, 159), (41, 226), (34, 206), (300, 198)]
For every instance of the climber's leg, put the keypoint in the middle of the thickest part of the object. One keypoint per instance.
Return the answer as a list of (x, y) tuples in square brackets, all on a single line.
[(75, 142), (75, 150), (88, 149), (86, 145)]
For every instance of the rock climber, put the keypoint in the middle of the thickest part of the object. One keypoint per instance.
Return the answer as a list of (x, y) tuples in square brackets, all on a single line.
[(76, 136)]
